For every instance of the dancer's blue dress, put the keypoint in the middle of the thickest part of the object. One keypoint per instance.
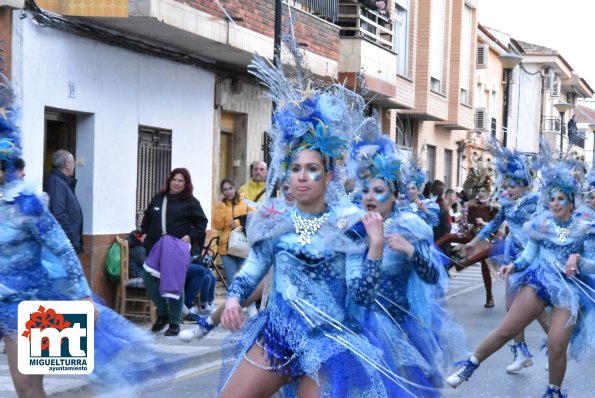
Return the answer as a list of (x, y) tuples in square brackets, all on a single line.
[(418, 337), (305, 329), (586, 212), (37, 262), (541, 266), (516, 213)]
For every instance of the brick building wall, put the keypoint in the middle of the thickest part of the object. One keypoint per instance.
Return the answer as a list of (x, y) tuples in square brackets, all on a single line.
[(321, 37), (6, 38)]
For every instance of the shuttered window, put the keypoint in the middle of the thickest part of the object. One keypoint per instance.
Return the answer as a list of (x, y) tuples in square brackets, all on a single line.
[(153, 165)]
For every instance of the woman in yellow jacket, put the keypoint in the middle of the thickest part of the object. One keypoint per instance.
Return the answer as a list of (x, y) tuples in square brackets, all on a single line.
[(229, 214)]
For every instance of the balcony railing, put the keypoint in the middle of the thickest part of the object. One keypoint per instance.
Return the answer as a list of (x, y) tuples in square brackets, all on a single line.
[(357, 20), (550, 123), (326, 9), (553, 124)]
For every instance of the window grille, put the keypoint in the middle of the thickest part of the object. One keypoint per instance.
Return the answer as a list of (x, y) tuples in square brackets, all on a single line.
[(153, 165)]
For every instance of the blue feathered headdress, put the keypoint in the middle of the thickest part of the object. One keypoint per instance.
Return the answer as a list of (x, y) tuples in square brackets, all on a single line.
[(376, 157), (510, 165), (307, 117), (10, 139), (415, 174), (558, 175)]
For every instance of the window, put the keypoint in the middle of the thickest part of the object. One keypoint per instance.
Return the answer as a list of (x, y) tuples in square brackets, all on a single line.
[(431, 162), (401, 36), (153, 165), (466, 60), (404, 132), (448, 168), (437, 45), (493, 127)]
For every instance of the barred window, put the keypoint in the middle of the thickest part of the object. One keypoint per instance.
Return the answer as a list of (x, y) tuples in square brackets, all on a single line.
[(153, 165)]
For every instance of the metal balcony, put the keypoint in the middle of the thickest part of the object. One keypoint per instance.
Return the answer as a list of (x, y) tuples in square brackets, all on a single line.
[(357, 20)]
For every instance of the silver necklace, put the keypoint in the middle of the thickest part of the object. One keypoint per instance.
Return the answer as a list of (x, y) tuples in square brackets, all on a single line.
[(414, 206), (305, 228), (517, 203), (562, 232)]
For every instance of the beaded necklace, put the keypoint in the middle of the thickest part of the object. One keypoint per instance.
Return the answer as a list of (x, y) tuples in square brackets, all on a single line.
[(386, 223), (414, 207), (562, 232), (305, 228)]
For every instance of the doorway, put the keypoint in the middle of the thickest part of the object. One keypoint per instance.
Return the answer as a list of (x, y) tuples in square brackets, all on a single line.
[(60, 133)]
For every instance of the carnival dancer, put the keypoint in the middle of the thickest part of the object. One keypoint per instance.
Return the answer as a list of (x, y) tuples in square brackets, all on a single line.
[(587, 209), (550, 272), (426, 208), (417, 336), (306, 336), (519, 205), (38, 262), (479, 211)]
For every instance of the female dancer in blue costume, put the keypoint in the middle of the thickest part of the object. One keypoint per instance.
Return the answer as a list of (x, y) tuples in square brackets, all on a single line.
[(427, 209), (549, 273), (587, 209), (519, 205), (37, 262), (304, 336), (414, 332)]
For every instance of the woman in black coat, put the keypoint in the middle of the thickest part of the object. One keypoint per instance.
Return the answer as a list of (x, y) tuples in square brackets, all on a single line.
[(186, 221)]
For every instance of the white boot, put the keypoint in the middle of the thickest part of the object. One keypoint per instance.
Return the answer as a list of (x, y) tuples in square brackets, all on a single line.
[(522, 358), (469, 366)]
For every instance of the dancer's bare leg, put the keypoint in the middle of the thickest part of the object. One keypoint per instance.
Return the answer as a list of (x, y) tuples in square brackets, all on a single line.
[(557, 344), (308, 388), (542, 318), (26, 386), (248, 381), (525, 308)]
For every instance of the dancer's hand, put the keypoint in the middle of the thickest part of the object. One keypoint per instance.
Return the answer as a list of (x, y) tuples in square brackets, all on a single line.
[(469, 247), (231, 318), (571, 269), (375, 230), (506, 270), (399, 244)]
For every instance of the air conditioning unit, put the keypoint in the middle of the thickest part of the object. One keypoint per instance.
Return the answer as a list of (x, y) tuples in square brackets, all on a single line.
[(17, 4), (481, 59), (481, 119)]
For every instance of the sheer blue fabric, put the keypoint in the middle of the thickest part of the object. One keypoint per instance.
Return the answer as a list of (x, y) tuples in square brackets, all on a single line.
[(37, 262)]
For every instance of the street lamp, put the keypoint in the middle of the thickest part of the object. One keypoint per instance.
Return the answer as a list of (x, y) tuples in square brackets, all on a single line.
[(509, 62), (592, 127), (562, 107)]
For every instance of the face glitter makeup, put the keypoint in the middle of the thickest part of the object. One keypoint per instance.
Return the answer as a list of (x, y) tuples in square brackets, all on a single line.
[(315, 175)]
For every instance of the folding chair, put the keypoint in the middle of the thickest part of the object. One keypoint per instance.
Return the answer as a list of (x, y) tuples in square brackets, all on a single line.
[(132, 298), (209, 255)]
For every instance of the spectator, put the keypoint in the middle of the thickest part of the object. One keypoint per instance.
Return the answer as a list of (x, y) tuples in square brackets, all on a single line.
[(571, 129), (64, 205), (136, 254), (255, 188), (229, 214), (199, 280), (184, 220)]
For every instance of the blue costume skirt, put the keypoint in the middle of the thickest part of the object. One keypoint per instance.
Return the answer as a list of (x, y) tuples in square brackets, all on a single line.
[(340, 359), (556, 290)]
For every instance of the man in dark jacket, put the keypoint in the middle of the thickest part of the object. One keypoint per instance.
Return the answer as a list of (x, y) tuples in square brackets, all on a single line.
[(64, 205)]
